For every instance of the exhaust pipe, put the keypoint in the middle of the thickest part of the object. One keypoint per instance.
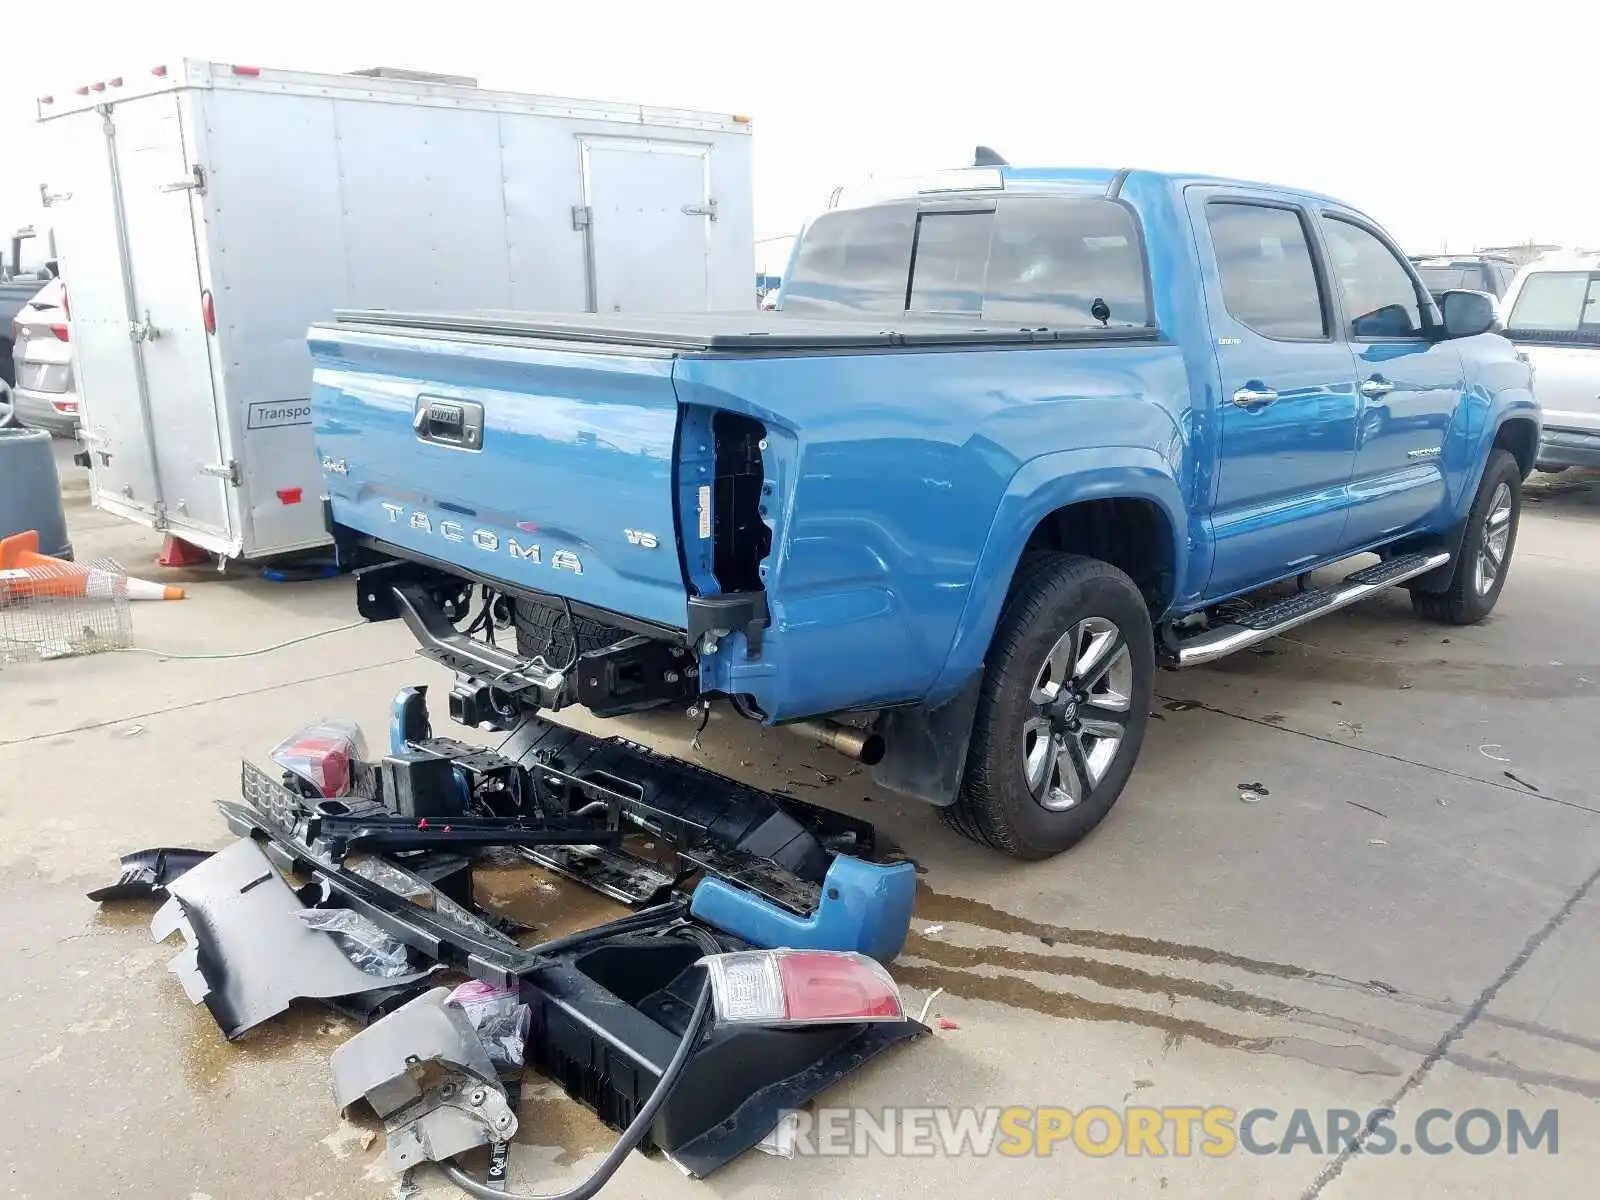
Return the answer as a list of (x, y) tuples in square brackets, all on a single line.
[(863, 745)]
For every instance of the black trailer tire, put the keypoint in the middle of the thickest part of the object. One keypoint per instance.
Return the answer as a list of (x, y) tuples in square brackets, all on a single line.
[(1484, 559), (1074, 620)]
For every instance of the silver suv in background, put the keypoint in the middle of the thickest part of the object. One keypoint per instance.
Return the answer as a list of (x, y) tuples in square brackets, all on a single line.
[(1443, 273), (1552, 313), (45, 395)]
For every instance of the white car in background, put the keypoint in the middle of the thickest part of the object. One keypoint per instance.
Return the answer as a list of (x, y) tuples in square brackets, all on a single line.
[(45, 395), (1552, 313)]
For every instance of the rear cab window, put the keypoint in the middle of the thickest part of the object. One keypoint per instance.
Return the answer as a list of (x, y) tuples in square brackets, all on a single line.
[(1049, 262), (1557, 306)]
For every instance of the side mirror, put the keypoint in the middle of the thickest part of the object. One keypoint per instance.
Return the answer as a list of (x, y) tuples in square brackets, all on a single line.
[(1467, 314)]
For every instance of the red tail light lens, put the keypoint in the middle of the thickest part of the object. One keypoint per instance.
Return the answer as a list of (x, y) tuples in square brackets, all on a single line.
[(61, 332), (67, 408), (800, 987)]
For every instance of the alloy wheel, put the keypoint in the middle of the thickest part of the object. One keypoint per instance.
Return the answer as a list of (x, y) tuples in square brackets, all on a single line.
[(1491, 559), (1081, 699)]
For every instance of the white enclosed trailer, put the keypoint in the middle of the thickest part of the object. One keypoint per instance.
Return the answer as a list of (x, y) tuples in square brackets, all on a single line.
[(206, 214)]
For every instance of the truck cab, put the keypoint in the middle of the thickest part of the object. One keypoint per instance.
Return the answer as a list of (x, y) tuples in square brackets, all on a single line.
[(1016, 437)]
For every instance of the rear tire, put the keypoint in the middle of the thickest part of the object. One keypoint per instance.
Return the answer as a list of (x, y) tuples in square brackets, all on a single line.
[(8, 412), (1063, 708), (1484, 559)]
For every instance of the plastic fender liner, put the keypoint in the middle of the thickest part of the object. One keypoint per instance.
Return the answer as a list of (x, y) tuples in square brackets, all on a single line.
[(864, 907), (246, 956)]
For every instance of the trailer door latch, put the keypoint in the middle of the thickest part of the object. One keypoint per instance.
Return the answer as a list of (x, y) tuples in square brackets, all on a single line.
[(224, 470), (708, 209), (582, 216), (143, 331), (195, 183)]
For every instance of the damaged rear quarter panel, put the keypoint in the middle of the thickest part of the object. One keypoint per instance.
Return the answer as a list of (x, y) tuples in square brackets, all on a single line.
[(888, 471)]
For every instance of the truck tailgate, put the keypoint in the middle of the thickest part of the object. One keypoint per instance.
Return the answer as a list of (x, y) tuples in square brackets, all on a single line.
[(537, 463)]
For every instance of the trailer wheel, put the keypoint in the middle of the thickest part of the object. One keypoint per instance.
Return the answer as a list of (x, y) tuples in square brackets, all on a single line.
[(1062, 711)]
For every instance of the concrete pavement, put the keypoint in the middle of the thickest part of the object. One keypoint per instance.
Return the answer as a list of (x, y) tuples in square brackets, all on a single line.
[(1407, 917)]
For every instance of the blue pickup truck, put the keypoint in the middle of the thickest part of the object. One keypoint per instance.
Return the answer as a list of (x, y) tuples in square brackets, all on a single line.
[(1016, 438)]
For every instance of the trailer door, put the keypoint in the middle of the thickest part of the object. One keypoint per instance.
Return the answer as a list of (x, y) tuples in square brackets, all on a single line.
[(157, 183), (650, 208), (83, 208)]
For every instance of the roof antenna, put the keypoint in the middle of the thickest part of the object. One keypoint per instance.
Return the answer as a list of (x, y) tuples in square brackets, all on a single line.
[(985, 157)]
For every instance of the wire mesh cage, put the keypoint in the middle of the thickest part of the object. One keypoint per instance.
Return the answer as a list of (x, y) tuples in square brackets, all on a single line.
[(59, 611)]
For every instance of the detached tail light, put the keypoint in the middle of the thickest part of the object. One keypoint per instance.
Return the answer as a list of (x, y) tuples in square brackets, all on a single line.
[(322, 754), (800, 987)]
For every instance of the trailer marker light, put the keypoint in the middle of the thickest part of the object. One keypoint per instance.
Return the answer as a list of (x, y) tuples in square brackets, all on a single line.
[(82, 89), (99, 85), (116, 81), (47, 99), (800, 987), (291, 495), (208, 311), (66, 304), (159, 72), (251, 71), (741, 118)]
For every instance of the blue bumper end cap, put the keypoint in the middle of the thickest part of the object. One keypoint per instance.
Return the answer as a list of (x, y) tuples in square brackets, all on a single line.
[(865, 907)]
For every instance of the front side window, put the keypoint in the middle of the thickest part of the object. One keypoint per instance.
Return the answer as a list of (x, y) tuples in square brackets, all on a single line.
[(1269, 282), (1380, 299), (1566, 302)]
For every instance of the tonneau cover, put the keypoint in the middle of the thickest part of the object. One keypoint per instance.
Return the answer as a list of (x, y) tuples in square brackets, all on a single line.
[(726, 332)]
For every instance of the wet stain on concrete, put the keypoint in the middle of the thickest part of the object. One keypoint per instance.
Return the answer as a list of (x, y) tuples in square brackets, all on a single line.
[(1106, 974), (1019, 993), (935, 906), (551, 906), (562, 1123)]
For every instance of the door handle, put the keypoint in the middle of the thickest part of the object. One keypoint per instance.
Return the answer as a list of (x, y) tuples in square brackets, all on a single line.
[(1248, 397), (1375, 387)]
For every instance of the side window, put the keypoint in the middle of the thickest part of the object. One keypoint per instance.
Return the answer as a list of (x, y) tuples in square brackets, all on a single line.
[(853, 260), (1379, 297), (950, 259), (1558, 302), (1269, 282), (1504, 273)]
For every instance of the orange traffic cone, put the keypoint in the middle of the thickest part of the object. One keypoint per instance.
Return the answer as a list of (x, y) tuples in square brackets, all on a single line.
[(41, 575)]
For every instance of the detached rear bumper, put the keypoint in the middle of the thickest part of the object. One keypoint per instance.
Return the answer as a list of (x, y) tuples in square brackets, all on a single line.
[(1562, 448)]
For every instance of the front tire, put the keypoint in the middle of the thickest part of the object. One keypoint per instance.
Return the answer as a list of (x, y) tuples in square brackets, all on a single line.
[(1484, 560), (1063, 708)]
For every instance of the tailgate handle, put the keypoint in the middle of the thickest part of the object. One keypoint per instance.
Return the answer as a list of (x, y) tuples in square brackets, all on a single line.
[(454, 423)]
